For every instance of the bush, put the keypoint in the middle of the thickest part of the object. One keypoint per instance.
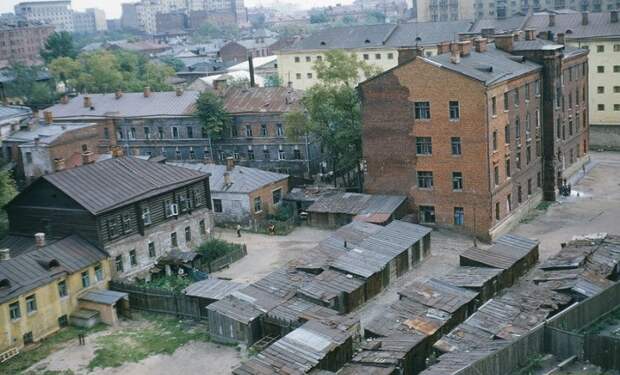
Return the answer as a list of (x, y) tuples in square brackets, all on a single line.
[(171, 283), (216, 248)]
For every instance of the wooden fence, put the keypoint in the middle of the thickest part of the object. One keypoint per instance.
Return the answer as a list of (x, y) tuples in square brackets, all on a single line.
[(228, 259), (603, 351), (163, 301)]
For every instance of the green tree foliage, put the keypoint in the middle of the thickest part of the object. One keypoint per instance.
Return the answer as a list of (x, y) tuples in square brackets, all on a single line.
[(208, 31), (333, 109), (211, 112), (7, 192), (173, 62), (58, 45), (319, 17), (216, 248), (26, 86), (105, 71), (273, 80)]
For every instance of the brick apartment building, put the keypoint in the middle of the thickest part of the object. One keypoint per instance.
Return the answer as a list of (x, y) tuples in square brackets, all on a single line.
[(478, 134), (21, 41)]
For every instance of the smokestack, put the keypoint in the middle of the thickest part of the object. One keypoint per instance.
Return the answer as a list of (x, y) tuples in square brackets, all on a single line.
[(455, 54), (230, 163), (59, 164), (179, 91), (88, 157), (251, 65), (39, 239), (584, 18), (147, 91), (530, 34), (464, 47), (443, 47), (5, 254), (118, 94), (49, 117), (88, 102)]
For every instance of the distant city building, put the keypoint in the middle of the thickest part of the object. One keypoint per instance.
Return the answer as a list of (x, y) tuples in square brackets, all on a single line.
[(22, 41), (171, 22), (444, 10), (57, 13), (90, 21), (503, 8)]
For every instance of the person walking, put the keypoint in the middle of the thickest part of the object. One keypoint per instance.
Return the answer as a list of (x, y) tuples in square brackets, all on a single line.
[(238, 230)]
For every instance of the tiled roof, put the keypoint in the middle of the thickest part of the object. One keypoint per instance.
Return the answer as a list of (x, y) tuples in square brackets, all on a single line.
[(262, 100), (38, 267), (131, 104), (599, 25), (243, 179), (117, 182)]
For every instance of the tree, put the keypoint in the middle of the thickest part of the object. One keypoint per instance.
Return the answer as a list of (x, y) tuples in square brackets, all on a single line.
[(173, 62), (212, 114), (7, 192), (333, 109), (58, 45), (273, 80), (26, 85)]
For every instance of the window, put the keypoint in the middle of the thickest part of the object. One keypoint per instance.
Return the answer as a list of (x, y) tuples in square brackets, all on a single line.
[(276, 196), (390, 55), (31, 304), (160, 131), (496, 175), (529, 187), (517, 128), (537, 88), (99, 276), (494, 140), (173, 239), (132, 133), (177, 154), (234, 131), (192, 154), (188, 234), (422, 110), (296, 154), (493, 106), (281, 155), (298, 75), (616, 89), (459, 216), (266, 155), (190, 132), (423, 145), (14, 311), (28, 157), (600, 48), (126, 223), (425, 180), (600, 69), (171, 208), (456, 145), (309, 75), (527, 91), (507, 134), (258, 205), (203, 227), (106, 133), (518, 159), (152, 252), (497, 215), (263, 130), (62, 289), (616, 107), (506, 102), (507, 165), (251, 154), (616, 47), (175, 132), (600, 107), (616, 68), (308, 58), (119, 134), (248, 130), (600, 89), (509, 202), (319, 58), (113, 230), (516, 96), (528, 155), (85, 279), (454, 110), (366, 56), (296, 59), (279, 130), (119, 263), (147, 133), (217, 205), (377, 56), (427, 214), (457, 181)]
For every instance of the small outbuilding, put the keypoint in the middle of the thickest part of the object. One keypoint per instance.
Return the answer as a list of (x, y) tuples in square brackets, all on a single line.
[(212, 289), (482, 280), (106, 302), (335, 290), (371, 267)]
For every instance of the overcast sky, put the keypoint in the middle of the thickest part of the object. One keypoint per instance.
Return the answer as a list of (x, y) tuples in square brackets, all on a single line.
[(113, 7)]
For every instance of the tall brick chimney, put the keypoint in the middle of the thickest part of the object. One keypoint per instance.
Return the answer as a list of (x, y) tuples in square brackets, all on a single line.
[(230, 163), (480, 45), (464, 47), (59, 164), (88, 102), (88, 157), (443, 47), (179, 91), (504, 42), (561, 38), (584, 18), (406, 55), (49, 117), (147, 91), (530, 34), (455, 54)]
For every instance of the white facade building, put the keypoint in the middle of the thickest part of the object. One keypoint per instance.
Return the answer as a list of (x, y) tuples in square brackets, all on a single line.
[(57, 13)]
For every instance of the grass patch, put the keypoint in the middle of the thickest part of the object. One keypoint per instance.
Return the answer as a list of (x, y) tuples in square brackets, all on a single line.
[(163, 335), (542, 207), (45, 347)]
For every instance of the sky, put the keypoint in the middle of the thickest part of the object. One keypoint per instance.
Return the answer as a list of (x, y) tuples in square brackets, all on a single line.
[(113, 7)]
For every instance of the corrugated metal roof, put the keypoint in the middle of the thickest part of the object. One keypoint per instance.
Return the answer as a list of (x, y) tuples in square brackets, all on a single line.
[(361, 262), (436, 294), (117, 182), (395, 238), (504, 253), (470, 277), (329, 285), (131, 104), (47, 134), (40, 266), (212, 288), (407, 317), (282, 282), (358, 369), (355, 203), (105, 297), (262, 100), (297, 310), (243, 179)]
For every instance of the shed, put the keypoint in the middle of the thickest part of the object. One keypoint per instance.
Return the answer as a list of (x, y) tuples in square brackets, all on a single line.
[(395, 351), (482, 280), (407, 317), (358, 369), (212, 289), (293, 313), (510, 253), (106, 302), (335, 290), (368, 265)]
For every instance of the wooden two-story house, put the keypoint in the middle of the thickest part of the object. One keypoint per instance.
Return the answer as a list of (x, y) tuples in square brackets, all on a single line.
[(133, 209)]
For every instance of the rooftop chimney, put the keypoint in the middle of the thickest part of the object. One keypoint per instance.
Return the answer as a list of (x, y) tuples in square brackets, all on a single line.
[(147, 91), (551, 20), (117, 151), (64, 99), (480, 45), (464, 47), (504, 42), (5, 254), (88, 102), (49, 117), (455, 54), (530, 34), (227, 180), (406, 55), (59, 164), (251, 67), (487, 32), (613, 16), (118, 94), (561, 38), (179, 91), (584, 18), (88, 157), (230, 163), (443, 47), (39, 239)]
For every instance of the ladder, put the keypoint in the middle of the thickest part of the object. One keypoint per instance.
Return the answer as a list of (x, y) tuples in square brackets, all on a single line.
[(5, 356)]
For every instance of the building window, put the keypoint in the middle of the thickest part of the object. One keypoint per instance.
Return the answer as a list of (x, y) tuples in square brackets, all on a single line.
[(266, 155), (457, 181), (600, 89), (390, 55), (217, 205), (497, 214), (188, 234), (509, 202), (112, 225), (309, 75), (600, 48), (425, 180), (600, 107), (494, 140), (31, 304), (616, 47), (296, 59), (308, 58), (600, 69), (126, 223), (62, 289), (507, 134), (506, 101), (248, 130), (152, 252), (203, 227), (147, 133), (427, 214), (518, 159), (517, 98), (281, 155), (132, 133), (106, 133), (616, 89), (251, 154), (493, 106), (173, 239), (160, 132), (258, 205), (279, 130), (529, 187), (508, 174), (263, 130), (28, 157), (519, 194), (99, 276), (455, 113), (276, 196), (424, 145), (377, 56), (298, 75), (527, 91), (190, 132), (366, 56), (616, 107), (616, 68), (496, 175), (296, 154), (119, 263), (517, 128), (537, 88), (422, 110), (175, 132), (456, 145), (85, 279), (14, 311), (459, 216), (119, 134)]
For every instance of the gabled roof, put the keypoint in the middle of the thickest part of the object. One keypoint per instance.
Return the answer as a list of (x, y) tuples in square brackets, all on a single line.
[(47, 134), (262, 100), (130, 104), (116, 182), (599, 25), (243, 179), (12, 111), (499, 25), (39, 266), (436, 294)]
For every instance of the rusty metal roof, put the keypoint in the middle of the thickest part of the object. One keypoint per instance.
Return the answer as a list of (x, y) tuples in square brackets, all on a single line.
[(439, 295), (470, 277), (212, 288), (330, 284), (357, 204), (262, 100), (297, 310), (407, 317), (504, 253)]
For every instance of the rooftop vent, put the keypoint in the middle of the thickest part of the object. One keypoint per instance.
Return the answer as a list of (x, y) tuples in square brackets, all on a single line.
[(367, 41)]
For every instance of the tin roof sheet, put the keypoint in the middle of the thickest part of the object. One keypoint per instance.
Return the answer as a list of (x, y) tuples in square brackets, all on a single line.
[(212, 288)]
